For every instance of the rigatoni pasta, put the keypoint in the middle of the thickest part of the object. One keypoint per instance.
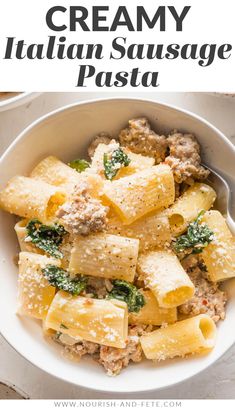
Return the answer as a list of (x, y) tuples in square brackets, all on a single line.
[(151, 313), (137, 162), (165, 277), (55, 172), (34, 292), (105, 256), (219, 255), (187, 207), (194, 335), (145, 191), (29, 198), (48, 333), (21, 232), (99, 321), (26, 244), (153, 230)]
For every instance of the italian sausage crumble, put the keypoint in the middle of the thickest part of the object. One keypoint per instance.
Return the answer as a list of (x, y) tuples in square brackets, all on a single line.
[(208, 297), (141, 139), (184, 158), (83, 214)]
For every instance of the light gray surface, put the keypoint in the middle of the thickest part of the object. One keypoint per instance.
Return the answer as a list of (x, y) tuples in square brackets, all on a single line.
[(10, 392), (216, 382)]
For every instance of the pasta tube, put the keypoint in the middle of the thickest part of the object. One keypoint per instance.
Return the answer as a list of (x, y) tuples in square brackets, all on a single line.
[(187, 207), (96, 320), (138, 194), (46, 331), (65, 249), (165, 277), (219, 255), (105, 255), (31, 199), (28, 246), (152, 230), (194, 335), (55, 172), (21, 232), (34, 292), (151, 313), (138, 162)]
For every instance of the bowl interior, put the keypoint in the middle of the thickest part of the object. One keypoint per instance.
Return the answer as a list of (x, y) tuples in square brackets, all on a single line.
[(66, 134)]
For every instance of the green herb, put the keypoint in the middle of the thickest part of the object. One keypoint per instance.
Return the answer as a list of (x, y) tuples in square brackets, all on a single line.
[(198, 236), (47, 238), (60, 279), (57, 335), (62, 326), (79, 164), (128, 293), (112, 164)]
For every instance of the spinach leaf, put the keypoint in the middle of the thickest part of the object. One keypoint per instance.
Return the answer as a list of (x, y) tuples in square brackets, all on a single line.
[(58, 334), (128, 293), (198, 236), (46, 237), (79, 164), (60, 279), (62, 326), (116, 161)]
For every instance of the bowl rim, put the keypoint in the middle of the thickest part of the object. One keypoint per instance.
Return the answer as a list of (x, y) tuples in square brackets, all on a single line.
[(117, 392), (68, 107), (17, 100), (101, 100)]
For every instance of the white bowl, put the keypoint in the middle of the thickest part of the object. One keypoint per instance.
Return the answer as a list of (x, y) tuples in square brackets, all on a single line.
[(16, 100), (66, 134)]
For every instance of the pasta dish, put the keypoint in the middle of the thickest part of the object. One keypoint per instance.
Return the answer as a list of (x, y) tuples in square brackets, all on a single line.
[(122, 254)]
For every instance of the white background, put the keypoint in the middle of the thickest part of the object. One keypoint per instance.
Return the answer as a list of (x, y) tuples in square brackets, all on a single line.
[(209, 21), (216, 382)]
